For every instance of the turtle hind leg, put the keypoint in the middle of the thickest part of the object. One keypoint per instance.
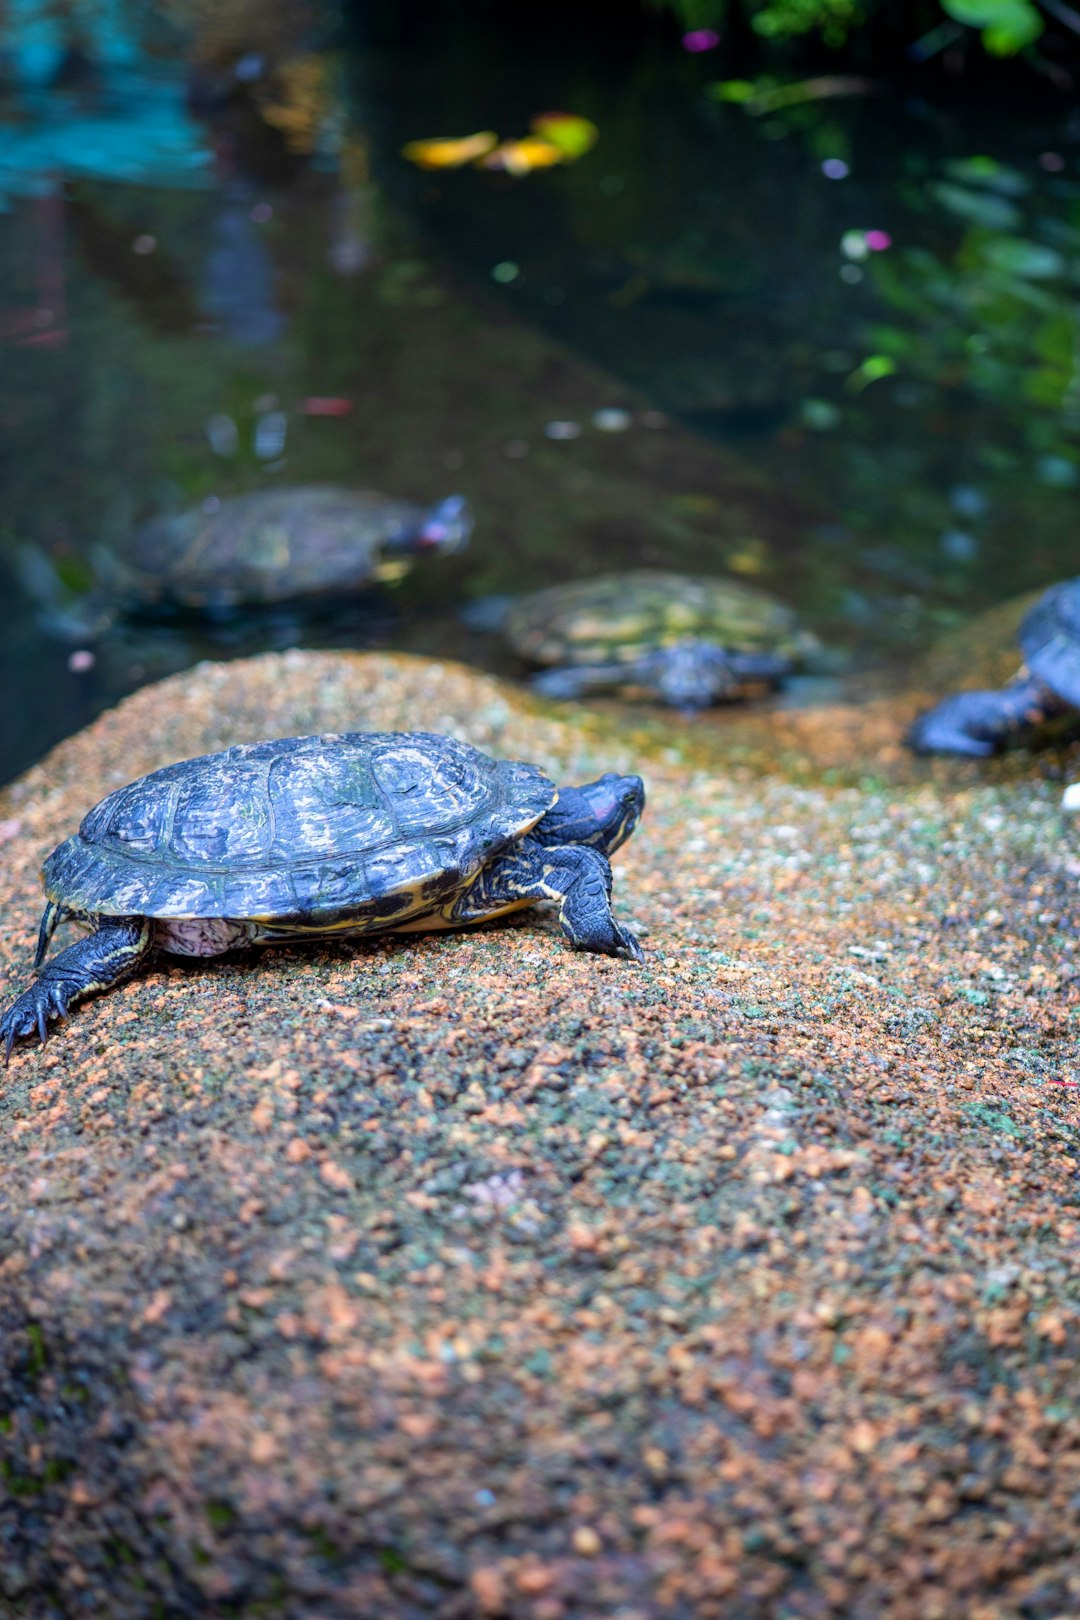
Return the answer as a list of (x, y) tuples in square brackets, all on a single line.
[(980, 723), (98, 962), (577, 876)]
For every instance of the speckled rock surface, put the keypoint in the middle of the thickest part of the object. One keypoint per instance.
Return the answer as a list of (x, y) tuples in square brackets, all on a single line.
[(468, 1276)]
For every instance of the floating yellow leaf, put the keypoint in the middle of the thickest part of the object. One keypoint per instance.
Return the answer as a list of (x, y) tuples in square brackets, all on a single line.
[(573, 136), (521, 157), (449, 151)]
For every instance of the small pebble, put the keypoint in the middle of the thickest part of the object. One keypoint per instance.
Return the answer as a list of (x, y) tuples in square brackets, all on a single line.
[(1070, 799)]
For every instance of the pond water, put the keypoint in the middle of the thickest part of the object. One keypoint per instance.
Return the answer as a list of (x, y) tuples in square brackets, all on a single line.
[(829, 345)]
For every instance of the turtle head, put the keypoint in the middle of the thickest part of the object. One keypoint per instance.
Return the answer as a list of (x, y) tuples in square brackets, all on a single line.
[(445, 527), (602, 814)]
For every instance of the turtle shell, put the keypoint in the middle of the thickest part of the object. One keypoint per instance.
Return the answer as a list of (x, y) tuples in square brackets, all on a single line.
[(270, 546), (623, 616), (1050, 640), (308, 829)]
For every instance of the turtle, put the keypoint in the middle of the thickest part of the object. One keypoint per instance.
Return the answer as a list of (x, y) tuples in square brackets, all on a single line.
[(305, 838), (689, 640), (273, 546), (277, 545), (1046, 685)]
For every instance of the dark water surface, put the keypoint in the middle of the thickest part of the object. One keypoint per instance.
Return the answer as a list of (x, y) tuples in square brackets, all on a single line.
[(831, 348)]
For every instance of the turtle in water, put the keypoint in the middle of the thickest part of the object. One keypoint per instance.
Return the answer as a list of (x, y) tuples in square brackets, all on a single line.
[(315, 837), (278, 545), (1046, 685), (287, 545), (689, 640)]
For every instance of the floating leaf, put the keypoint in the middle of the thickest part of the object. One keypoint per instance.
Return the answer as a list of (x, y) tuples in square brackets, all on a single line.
[(521, 157), (573, 135), (449, 151)]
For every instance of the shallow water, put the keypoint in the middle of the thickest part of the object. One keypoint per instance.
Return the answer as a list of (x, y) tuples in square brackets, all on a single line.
[(830, 349)]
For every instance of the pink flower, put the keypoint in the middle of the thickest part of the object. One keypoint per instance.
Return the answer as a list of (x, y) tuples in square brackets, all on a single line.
[(701, 39)]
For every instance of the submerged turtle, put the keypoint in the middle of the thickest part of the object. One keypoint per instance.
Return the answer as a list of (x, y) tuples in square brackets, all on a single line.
[(278, 545), (312, 541), (690, 640), (308, 837), (1046, 685)]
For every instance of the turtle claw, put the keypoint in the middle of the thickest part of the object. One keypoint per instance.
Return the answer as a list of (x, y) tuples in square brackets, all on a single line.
[(628, 945), (29, 1015)]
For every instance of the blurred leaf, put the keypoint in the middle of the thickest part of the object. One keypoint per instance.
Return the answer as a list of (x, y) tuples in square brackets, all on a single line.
[(1018, 257), (994, 213), (1006, 26), (988, 173), (449, 151)]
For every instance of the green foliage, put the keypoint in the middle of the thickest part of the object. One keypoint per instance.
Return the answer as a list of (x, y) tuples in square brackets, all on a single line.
[(1005, 27)]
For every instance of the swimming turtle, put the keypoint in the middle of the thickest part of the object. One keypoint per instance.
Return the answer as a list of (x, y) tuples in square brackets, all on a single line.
[(1046, 685), (690, 640), (277, 545), (311, 837), (285, 545)]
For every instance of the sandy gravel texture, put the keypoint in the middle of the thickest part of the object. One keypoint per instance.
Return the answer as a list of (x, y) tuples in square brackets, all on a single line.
[(468, 1276)]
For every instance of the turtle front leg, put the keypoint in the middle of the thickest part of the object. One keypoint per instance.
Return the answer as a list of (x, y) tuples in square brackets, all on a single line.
[(575, 680), (577, 877), (98, 962), (979, 723)]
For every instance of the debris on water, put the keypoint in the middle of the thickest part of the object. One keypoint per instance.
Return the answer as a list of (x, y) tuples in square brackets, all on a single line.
[(819, 414), (700, 39), (612, 419), (223, 435), (522, 156), (505, 272), (1070, 799), (967, 500), (81, 660), (835, 169), (572, 134), (959, 546), (270, 431), (450, 151), (326, 405)]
